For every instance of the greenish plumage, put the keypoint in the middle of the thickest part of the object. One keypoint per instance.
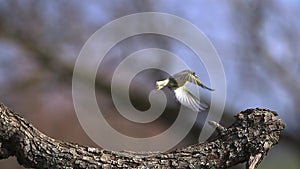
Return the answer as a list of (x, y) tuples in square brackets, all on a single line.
[(177, 83)]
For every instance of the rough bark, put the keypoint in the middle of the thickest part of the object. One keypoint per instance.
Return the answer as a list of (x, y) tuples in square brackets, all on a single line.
[(248, 139)]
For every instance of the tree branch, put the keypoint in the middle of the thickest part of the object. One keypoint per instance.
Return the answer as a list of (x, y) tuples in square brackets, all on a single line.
[(248, 139)]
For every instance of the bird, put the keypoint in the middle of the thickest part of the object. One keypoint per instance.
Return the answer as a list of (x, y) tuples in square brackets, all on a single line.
[(177, 83)]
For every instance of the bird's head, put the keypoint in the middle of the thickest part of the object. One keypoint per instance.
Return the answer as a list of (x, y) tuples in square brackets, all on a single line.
[(162, 83)]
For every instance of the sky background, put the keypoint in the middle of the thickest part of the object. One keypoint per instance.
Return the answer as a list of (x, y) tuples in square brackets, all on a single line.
[(257, 42)]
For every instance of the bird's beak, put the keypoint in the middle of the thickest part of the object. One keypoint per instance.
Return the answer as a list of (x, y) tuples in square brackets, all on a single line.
[(159, 87), (161, 84)]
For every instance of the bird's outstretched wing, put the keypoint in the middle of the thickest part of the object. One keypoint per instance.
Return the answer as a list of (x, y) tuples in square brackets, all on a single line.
[(189, 100), (190, 76)]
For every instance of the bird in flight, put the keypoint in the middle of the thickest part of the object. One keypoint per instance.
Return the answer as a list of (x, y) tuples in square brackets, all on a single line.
[(177, 84)]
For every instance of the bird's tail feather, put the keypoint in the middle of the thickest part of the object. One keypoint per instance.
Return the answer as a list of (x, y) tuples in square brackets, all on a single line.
[(205, 87)]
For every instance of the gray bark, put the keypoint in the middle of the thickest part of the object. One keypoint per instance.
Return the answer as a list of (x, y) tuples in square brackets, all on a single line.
[(248, 139)]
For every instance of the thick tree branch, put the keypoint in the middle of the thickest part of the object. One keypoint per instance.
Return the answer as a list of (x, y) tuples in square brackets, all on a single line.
[(248, 139)]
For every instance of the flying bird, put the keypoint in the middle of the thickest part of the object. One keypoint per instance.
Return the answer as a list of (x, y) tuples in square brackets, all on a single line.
[(177, 83)]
